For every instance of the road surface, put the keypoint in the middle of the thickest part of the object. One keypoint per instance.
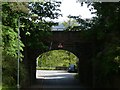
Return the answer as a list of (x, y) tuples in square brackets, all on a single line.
[(56, 80)]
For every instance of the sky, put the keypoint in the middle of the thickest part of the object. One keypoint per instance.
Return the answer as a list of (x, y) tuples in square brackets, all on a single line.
[(70, 7)]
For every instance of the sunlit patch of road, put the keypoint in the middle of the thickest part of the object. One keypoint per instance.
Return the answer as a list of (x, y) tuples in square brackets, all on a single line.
[(54, 74)]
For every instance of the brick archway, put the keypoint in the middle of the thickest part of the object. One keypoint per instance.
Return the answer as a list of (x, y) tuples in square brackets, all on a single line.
[(72, 41)]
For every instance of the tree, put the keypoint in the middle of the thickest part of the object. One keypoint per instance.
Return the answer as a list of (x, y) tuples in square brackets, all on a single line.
[(83, 24), (34, 30), (106, 29), (70, 24), (57, 58), (30, 30), (10, 45)]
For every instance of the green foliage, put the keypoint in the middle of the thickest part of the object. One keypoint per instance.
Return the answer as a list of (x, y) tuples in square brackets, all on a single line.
[(9, 70), (10, 41), (56, 58), (19, 7), (10, 47), (10, 16), (106, 29), (45, 9), (82, 24), (32, 31), (45, 68), (70, 24)]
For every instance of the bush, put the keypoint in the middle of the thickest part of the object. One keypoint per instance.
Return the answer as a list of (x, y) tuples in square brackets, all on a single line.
[(45, 68), (9, 72)]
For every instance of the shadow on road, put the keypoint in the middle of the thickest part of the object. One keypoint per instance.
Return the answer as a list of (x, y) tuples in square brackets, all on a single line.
[(56, 80)]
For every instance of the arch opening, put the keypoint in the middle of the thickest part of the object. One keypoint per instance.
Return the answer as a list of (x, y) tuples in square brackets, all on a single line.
[(57, 61)]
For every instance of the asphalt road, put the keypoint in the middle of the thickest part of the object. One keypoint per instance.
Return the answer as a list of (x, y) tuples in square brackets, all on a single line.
[(56, 80)]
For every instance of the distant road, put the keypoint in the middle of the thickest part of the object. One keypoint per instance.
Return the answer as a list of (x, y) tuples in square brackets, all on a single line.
[(54, 74), (56, 80)]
